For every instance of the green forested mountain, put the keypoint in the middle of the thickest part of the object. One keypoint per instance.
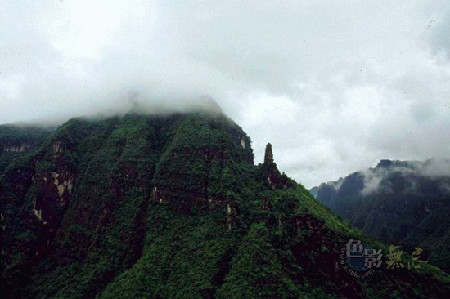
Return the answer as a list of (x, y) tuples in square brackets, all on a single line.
[(165, 206), (406, 203)]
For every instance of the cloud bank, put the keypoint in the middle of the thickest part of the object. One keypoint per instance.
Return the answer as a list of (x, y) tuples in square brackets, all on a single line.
[(437, 170), (334, 86)]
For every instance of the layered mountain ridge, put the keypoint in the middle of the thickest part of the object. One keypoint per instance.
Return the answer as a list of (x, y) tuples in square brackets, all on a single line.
[(406, 203), (172, 205)]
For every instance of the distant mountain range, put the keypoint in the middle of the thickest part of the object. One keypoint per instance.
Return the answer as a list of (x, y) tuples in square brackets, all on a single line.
[(406, 203)]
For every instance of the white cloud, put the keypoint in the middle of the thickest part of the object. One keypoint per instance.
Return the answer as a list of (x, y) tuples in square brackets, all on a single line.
[(334, 86)]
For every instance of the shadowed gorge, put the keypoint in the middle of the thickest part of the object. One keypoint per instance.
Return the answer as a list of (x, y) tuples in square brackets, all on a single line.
[(163, 206)]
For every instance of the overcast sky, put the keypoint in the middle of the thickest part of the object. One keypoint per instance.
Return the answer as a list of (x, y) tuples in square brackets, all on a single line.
[(333, 85)]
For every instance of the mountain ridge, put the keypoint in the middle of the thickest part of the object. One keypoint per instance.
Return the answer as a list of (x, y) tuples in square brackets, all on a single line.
[(173, 206), (398, 202)]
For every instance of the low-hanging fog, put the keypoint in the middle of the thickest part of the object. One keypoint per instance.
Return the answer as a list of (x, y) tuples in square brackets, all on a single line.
[(433, 169), (333, 85)]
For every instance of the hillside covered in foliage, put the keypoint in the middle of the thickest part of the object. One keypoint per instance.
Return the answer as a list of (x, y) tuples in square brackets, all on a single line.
[(165, 206)]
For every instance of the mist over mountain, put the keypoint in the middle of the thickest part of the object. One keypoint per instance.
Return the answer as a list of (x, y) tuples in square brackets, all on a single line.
[(347, 83), (401, 202)]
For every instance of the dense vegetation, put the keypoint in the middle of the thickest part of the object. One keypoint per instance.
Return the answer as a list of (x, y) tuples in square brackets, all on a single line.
[(161, 206), (407, 207)]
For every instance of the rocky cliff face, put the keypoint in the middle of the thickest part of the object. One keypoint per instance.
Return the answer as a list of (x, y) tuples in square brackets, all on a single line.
[(171, 206), (274, 179)]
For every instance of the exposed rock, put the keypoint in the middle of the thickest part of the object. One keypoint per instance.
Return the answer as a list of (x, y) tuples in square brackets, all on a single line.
[(271, 168), (38, 214), (16, 148), (156, 195), (268, 156), (284, 181), (231, 215), (243, 142), (56, 148)]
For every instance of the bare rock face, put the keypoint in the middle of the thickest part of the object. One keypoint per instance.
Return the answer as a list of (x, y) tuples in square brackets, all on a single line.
[(268, 156), (54, 187), (270, 167), (19, 148)]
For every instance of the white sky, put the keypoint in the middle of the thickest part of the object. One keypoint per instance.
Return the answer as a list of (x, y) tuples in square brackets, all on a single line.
[(333, 85)]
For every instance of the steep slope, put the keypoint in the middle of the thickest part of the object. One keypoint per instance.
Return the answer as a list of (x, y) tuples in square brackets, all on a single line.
[(400, 202), (172, 206)]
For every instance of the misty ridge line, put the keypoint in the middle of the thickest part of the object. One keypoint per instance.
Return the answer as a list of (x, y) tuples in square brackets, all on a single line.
[(336, 74), (373, 177), (134, 103)]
